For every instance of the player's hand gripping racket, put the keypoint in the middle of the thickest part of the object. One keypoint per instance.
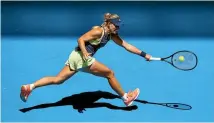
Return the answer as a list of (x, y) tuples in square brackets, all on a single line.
[(169, 105), (183, 60)]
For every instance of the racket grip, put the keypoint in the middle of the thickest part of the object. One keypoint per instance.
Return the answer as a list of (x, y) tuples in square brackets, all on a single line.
[(155, 59)]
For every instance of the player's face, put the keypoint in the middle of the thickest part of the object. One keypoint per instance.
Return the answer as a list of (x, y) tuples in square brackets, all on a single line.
[(113, 28)]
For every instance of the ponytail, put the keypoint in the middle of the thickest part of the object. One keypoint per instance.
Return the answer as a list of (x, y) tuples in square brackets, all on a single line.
[(106, 18)]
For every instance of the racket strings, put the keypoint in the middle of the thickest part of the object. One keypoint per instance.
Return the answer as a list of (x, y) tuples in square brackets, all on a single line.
[(189, 60)]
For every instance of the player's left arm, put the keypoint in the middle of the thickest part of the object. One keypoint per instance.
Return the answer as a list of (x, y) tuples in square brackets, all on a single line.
[(129, 47)]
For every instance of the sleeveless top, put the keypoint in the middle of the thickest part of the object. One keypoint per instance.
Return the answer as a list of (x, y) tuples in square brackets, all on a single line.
[(93, 45)]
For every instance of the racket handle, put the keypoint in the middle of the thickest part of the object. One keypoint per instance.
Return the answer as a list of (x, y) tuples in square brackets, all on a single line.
[(155, 58)]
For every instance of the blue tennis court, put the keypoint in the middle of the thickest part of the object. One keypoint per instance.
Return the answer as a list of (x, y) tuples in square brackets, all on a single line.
[(26, 59), (37, 38)]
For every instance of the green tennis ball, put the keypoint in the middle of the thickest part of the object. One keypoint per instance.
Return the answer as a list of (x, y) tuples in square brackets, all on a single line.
[(181, 58)]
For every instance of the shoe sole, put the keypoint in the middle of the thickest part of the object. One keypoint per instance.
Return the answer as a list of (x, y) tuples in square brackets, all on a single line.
[(22, 97)]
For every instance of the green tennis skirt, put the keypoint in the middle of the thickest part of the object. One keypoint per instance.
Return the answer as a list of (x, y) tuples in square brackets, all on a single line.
[(76, 62)]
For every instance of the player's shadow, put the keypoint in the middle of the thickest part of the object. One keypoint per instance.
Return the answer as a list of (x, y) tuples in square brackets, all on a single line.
[(84, 100)]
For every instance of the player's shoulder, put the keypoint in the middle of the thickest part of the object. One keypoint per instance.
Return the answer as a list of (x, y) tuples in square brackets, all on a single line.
[(115, 35), (97, 30)]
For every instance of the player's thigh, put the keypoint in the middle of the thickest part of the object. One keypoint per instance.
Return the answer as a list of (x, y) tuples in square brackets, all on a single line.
[(98, 69), (66, 73)]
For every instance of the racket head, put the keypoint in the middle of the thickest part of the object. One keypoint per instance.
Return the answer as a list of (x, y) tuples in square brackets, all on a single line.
[(178, 106), (189, 63)]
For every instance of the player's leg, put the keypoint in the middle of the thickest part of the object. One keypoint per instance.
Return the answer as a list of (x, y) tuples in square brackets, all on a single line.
[(63, 75), (100, 69)]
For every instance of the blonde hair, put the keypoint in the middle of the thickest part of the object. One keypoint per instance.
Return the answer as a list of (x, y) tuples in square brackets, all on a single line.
[(108, 16)]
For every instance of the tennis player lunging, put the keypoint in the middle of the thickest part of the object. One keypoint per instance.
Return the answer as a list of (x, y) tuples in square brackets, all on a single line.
[(81, 59)]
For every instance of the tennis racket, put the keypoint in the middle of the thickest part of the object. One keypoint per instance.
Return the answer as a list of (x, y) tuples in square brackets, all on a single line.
[(169, 105), (183, 60)]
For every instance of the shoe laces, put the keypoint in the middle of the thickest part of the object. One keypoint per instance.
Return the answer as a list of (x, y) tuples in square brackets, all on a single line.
[(130, 94)]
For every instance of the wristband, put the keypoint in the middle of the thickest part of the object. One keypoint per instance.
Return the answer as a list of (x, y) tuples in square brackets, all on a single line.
[(143, 54)]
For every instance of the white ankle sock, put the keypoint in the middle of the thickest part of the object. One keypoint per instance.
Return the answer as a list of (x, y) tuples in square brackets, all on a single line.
[(125, 96), (32, 86)]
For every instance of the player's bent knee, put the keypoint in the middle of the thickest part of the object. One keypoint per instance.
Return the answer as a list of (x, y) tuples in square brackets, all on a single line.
[(110, 74)]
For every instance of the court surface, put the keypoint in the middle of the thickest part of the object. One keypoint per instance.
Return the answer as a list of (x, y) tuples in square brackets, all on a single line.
[(26, 59)]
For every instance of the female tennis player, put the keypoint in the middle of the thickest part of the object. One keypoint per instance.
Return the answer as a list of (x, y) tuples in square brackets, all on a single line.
[(81, 59)]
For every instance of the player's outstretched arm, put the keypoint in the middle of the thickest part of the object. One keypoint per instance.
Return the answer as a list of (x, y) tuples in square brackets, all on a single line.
[(130, 47)]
